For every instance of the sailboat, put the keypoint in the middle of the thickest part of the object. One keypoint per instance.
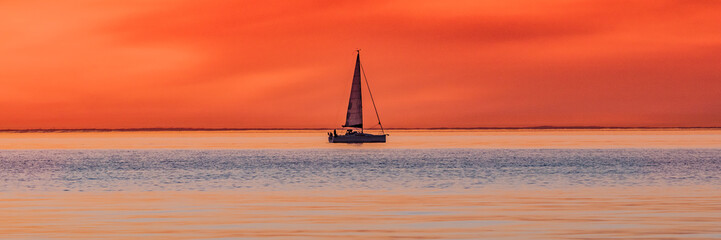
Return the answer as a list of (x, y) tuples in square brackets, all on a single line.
[(354, 118)]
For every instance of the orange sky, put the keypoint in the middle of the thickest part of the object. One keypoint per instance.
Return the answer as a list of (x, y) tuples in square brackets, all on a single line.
[(247, 64)]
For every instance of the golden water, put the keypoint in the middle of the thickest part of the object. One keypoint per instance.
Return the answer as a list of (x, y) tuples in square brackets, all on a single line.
[(519, 184)]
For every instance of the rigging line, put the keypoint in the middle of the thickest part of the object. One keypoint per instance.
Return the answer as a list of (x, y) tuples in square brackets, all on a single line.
[(371, 94)]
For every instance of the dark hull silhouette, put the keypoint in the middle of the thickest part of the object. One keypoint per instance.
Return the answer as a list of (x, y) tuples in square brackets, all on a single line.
[(357, 138)]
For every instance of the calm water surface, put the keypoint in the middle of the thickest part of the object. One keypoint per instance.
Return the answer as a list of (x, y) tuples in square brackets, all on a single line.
[(421, 185)]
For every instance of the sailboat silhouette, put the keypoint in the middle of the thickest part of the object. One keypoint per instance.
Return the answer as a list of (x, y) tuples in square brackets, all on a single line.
[(354, 118)]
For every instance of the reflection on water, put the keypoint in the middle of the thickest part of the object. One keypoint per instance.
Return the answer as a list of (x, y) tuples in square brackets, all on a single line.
[(426, 185), (578, 213), (669, 138), (341, 169)]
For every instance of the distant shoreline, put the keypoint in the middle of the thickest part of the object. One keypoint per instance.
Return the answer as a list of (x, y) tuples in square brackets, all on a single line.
[(50, 130)]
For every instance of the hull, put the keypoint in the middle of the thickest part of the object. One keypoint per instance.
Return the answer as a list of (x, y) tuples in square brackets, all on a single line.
[(357, 138)]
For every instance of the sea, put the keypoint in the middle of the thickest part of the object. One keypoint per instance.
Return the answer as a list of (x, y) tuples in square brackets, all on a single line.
[(421, 184)]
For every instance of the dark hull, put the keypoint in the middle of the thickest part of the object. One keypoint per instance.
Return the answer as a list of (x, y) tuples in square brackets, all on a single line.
[(357, 138)]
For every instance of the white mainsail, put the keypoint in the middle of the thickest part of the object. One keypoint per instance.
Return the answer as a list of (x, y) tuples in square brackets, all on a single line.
[(354, 118)]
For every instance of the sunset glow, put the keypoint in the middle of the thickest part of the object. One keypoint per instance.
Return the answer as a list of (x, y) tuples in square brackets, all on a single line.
[(288, 64)]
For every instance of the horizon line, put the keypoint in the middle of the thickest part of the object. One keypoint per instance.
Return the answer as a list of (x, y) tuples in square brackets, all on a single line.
[(169, 129)]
